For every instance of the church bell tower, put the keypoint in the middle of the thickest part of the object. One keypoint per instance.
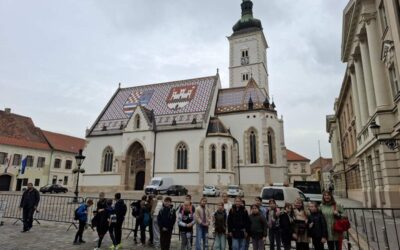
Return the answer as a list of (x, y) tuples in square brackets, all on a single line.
[(248, 50)]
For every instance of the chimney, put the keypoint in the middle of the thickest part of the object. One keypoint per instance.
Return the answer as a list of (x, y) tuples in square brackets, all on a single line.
[(7, 110)]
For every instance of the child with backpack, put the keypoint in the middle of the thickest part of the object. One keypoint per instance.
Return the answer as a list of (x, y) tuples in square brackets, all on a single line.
[(300, 225), (317, 228), (81, 215), (166, 220), (286, 223), (135, 207), (258, 227), (185, 223), (112, 221), (202, 218), (220, 219), (273, 213)]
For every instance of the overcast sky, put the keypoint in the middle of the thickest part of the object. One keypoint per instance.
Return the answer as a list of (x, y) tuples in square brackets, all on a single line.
[(61, 61)]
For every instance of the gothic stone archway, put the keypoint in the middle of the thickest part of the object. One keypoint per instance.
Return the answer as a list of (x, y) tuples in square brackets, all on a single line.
[(135, 175)]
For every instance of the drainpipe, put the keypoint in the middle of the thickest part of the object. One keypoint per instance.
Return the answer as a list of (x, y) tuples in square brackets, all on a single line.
[(238, 157), (344, 164), (154, 142)]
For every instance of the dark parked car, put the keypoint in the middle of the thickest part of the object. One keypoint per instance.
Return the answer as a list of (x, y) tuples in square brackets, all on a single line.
[(177, 190), (53, 188)]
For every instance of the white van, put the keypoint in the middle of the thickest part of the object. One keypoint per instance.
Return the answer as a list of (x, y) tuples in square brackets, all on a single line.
[(158, 185), (282, 195)]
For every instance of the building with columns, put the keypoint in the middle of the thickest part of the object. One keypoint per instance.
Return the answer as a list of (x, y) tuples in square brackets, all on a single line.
[(370, 48), (193, 130)]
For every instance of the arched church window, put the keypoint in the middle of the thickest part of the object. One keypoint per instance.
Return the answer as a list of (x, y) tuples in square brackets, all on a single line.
[(213, 157), (137, 121), (253, 147), (181, 156), (271, 146), (223, 156), (108, 156)]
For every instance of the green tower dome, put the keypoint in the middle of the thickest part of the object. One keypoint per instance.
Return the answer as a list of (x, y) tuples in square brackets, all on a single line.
[(247, 22)]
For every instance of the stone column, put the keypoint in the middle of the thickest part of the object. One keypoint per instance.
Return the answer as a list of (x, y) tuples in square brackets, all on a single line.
[(381, 84), (361, 89), (369, 84), (355, 94)]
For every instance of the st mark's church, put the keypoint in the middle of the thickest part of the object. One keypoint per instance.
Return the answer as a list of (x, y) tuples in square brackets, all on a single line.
[(193, 130)]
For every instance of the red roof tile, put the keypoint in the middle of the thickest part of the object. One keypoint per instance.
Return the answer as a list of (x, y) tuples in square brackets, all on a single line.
[(20, 131), (292, 156), (323, 163), (64, 143)]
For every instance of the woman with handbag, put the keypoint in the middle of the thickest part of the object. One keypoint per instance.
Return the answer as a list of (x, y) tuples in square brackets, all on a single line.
[(300, 226), (332, 212)]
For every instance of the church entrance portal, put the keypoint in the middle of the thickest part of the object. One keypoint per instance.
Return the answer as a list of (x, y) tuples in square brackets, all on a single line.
[(5, 181), (139, 181), (137, 167)]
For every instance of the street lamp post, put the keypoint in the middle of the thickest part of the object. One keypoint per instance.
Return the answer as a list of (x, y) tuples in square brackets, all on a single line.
[(79, 160), (391, 143)]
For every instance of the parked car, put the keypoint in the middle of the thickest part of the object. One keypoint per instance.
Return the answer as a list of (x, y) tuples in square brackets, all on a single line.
[(158, 185), (282, 195), (235, 190), (53, 188), (311, 189), (177, 190), (211, 191)]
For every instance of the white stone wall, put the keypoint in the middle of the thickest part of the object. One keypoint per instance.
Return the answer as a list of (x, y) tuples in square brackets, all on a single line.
[(256, 44)]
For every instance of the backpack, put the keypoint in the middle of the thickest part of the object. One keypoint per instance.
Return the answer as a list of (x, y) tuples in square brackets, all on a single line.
[(76, 215), (146, 219), (135, 208)]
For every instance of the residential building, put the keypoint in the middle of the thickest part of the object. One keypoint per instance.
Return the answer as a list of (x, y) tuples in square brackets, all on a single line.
[(298, 167), (320, 171)]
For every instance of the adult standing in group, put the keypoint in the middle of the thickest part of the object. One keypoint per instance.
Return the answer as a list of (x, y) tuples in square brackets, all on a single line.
[(203, 219), (331, 210), (29, 203), (120, 211), (135, 207), (238, 225), (150, 207), (227, 207)]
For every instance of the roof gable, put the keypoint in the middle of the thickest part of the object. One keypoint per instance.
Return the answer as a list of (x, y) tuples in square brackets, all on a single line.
[(293, 156), (20, 131), (64, 143), (181, 101)]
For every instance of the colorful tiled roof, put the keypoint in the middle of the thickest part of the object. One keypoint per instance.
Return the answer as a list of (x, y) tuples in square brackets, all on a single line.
[(293, 156), (64, 143), (20, 131), (237, 99), (180, 100)]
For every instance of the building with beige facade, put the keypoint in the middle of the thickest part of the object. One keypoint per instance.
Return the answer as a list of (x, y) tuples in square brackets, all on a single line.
[(20, 139), (370, 48), (298, 167)]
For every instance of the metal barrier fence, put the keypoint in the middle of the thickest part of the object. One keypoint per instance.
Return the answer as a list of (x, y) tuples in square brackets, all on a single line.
[(371, 228), (375, 228)]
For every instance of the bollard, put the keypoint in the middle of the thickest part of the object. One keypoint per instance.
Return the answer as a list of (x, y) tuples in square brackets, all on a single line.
[(371, 229), (385, 238)]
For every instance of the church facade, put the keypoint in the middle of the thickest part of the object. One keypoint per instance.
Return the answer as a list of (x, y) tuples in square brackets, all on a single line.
[(193, 130)]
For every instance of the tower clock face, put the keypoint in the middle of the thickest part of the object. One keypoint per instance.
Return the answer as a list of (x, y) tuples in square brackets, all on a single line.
[(245, 60)]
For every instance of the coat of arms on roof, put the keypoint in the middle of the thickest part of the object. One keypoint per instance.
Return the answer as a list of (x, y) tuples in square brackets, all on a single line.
[(137, 98), (181, 96)]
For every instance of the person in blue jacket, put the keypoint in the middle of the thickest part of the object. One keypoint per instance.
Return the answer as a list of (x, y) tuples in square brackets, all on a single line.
[(81, 213)]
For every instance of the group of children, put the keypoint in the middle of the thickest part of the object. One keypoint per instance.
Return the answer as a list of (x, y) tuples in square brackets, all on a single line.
[(231, 224)]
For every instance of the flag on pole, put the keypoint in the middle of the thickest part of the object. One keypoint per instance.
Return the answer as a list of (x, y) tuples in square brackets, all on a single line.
[(8, 161), (24, 165)]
